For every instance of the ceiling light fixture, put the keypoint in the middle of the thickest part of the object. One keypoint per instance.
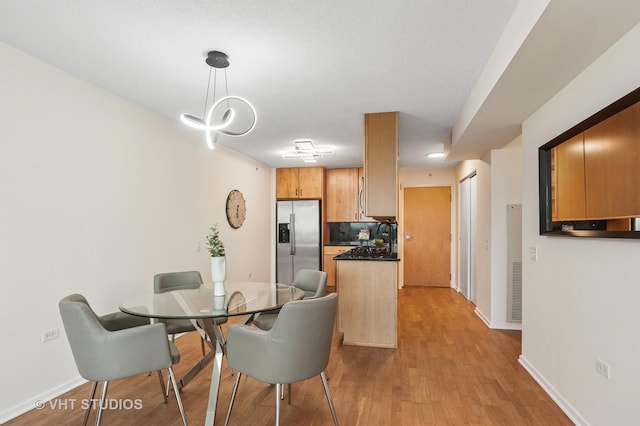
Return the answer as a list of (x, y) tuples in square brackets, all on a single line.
[(307, 151), (224, 116), (436, 155)]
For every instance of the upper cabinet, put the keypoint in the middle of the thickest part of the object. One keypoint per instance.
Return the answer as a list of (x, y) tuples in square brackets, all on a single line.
[(612, 150), (595, 174), (300, 183), (381, 164), (342, 195), (345, 195), (567, 168)]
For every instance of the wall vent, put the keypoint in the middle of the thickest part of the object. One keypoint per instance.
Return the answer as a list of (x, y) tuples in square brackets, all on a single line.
[(514, 313), (514, 263)]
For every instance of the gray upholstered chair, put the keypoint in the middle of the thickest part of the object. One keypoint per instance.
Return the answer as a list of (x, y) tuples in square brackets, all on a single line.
[(102, 355), (313, 283), (115, 320), (288, 352), (181, 280), (119, 321)]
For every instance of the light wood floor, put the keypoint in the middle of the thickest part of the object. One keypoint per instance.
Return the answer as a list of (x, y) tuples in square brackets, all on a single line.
[(449, 369)]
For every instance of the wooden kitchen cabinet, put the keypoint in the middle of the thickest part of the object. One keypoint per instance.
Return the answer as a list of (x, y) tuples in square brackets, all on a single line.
[(612, 150), (381, 164), (342, 195), (345, 195), (568, 180), (329, 265), (367, 302), (300, 183), (594, 174)]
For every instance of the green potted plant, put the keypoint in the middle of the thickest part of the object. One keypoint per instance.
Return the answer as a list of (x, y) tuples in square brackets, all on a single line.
[(218, 266)]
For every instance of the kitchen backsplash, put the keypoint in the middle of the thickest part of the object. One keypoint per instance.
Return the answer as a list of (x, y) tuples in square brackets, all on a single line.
[(348, 232)]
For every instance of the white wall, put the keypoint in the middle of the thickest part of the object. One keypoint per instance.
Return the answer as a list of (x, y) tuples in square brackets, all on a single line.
[(414, 177), (581, 296), (96, 196), (506, 188)]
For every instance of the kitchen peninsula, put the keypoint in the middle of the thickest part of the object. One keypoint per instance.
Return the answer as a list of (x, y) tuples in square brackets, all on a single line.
[(367, 305)]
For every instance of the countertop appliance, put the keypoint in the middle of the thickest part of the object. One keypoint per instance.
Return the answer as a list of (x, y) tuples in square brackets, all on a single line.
[(298, 243)]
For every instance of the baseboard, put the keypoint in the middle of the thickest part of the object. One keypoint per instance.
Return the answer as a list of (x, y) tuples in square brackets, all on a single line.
[(506, 325), (482, 317), (20, 409), (571, 412), (498, 325)]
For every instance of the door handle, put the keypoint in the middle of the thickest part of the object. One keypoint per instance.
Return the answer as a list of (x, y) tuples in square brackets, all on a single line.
[(361, 198)]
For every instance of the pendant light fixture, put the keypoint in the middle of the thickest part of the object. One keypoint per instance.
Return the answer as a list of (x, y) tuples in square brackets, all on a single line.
[(224, 115)]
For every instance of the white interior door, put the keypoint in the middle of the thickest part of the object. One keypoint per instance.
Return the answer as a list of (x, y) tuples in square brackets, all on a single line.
[(473, 212), (463, 246), (467, 226)]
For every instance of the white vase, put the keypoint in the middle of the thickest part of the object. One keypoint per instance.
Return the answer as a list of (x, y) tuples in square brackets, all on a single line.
[(218, 303), (218, 275)]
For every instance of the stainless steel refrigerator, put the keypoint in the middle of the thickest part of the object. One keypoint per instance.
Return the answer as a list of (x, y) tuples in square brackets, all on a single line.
[(298, 242)]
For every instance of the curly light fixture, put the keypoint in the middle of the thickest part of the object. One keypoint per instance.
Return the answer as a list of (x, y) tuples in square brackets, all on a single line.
[(218, 120)]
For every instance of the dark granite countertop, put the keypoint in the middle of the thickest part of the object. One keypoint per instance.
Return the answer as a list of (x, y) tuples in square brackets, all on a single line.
[(375, 259), (367, 253)]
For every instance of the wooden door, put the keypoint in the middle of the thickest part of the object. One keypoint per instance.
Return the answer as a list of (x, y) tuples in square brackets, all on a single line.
[(427, 245)]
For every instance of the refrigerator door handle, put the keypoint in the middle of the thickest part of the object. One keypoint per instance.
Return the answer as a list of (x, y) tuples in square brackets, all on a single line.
[(292, 230)]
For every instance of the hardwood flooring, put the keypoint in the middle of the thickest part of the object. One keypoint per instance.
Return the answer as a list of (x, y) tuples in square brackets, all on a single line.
[(449, 369)]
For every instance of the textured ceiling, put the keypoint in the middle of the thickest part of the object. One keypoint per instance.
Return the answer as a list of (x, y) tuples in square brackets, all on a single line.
[(311, 68)]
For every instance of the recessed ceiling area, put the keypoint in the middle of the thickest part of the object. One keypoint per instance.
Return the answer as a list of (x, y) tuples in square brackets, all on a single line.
[(463, 75), (311, 69)]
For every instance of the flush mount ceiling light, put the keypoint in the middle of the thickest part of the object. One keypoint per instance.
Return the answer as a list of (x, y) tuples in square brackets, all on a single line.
[(436, 155), (229, 115), (307, 151)]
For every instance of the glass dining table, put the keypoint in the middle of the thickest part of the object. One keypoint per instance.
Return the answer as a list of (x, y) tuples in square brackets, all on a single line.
[(202, 307)]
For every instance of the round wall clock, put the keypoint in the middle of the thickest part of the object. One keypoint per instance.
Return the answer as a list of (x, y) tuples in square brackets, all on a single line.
[(236, 209)]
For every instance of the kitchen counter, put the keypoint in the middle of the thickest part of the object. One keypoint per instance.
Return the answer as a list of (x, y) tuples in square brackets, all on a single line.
[(367, 302), (368, 253)]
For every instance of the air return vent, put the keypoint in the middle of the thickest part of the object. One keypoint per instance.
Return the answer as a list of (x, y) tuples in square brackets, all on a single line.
[(514, 263)]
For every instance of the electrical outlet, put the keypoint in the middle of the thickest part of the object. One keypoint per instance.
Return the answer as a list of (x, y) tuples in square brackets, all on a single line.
[(603, 369), (50, 334), (533, 253), (198, 246)]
